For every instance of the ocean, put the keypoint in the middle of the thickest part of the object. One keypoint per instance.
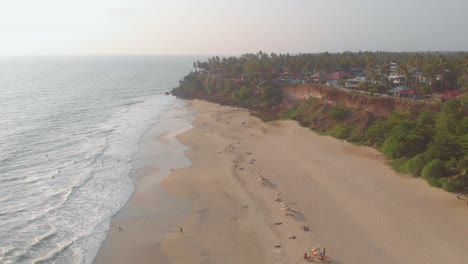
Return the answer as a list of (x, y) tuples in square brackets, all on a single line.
[(70, 130)]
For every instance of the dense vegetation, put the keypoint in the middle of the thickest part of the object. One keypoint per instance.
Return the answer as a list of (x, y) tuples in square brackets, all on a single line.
[(253, 94), (452, 67), (433, 145)]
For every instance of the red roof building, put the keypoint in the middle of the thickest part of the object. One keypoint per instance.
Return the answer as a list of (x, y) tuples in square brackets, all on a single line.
[(408, 92), (450, 94), (339, 75)]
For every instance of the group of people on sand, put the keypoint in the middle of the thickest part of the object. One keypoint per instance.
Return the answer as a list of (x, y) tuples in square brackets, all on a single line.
[(315, 253)]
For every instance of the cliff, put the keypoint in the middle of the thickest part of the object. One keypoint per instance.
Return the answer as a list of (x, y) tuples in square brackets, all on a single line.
[(377, 106)]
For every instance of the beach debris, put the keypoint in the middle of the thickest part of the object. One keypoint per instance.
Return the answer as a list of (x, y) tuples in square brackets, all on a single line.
[(241, 168), (278, 223), (277, 194), (181, 230), (289, 214), (120, 229), (292, 237), (219, 152), (245, 206), (249, 153), (459, 196), (277, 246), (305, 228), (172, 169)]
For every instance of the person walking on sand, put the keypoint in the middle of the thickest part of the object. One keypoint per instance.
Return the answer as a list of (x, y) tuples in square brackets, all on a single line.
[(181, 231)]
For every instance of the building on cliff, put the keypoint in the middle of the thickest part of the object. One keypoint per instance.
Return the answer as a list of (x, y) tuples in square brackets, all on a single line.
[(354, 83), (397, 90)]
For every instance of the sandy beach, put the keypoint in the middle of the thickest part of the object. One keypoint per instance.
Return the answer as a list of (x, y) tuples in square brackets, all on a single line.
[(356, 206)]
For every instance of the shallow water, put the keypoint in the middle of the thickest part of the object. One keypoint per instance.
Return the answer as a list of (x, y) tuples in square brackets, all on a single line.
[(70, 127)]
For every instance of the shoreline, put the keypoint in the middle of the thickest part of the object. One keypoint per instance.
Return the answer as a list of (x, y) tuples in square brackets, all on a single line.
[(355, 205), (127, 240)]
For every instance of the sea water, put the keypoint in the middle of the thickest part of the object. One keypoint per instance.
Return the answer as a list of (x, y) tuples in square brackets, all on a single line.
[(69, 128)]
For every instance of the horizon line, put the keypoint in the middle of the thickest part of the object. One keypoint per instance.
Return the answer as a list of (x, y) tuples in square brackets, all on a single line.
[(219, 54)]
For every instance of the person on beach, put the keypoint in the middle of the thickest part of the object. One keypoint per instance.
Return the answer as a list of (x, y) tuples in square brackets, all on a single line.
[(181, 231), (323, 253)]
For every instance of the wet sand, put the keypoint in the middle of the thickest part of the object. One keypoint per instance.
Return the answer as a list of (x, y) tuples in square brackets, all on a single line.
[(356, 206), (136, 231)]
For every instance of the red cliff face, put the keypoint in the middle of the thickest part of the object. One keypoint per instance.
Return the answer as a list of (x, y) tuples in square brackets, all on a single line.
[(378, 106)]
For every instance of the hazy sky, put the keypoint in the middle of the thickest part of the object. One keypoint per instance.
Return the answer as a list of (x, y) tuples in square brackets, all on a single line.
[(30, 27)]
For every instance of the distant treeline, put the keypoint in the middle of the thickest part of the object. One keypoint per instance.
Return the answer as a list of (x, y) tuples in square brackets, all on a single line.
[(377, 65), (431, 145)]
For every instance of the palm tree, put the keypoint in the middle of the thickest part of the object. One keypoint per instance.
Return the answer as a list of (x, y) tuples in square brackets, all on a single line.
[(385, 71), (404, 70)]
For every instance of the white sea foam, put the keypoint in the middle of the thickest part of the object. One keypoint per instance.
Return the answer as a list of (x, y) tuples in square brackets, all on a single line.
[(66, 144)]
